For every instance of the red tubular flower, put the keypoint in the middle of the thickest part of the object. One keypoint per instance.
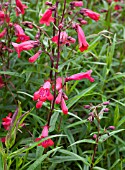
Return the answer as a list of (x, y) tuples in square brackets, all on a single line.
[(83, 45), (3, 33), (58, 83), (76, 3), (91, 14), (7, 121), (45, 144), (1, 82), (27, 45), (39, 104), (59, 97), (21, 7), (20, 34), (80, 76), (34, 57), (44, 134), (43, 94), (63, 106), (47, 17)]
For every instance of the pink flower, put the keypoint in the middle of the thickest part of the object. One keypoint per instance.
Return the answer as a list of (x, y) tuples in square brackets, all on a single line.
[(20, 34), (7, 121), (58, 83), (60, 99), (83, 45), (47, 17), (3, 33), (27, 45), (44, 134), (34, 57), (64, 39), (80, 76), (1, 83), (91, 14), (43, 94), (45, 131), (63, 106), (76, 3), (21, 7)]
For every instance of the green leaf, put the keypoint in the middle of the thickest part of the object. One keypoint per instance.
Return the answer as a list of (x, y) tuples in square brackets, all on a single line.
[(71, 139), (12, 74), (71, 157), (74, 99), (83, 141), (115, 163), (53, 121), (39, 160), (106, 136)]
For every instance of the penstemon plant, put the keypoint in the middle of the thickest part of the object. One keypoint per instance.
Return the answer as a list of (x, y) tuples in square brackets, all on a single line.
[(62, 18)]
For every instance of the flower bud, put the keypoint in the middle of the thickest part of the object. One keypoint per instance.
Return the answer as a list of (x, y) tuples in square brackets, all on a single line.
[(94, 136), (48, 3), (106, 110), (106, 103), (38, 34), (111, 127), (70, 12), (60, 25), (87, 106), (53, 8)]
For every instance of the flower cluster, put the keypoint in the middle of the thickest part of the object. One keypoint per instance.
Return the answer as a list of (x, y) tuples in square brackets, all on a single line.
[(43, 94)]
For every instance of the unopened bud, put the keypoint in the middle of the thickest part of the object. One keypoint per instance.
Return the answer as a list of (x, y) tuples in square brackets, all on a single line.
[(106, 110), (53, 8), (60, 25), (67, 44), (83, 22), (103, 10), (10, 24), (94, 136), (106, 103), (91, 117), (48, 3), (79, 19), (38, 35), (87, 106), (74, 25), (111, 127), (70, 12), (6, 4), (28, 24)]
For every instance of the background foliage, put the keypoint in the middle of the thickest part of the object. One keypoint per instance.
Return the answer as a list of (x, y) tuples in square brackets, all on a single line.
[(73, 133)]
